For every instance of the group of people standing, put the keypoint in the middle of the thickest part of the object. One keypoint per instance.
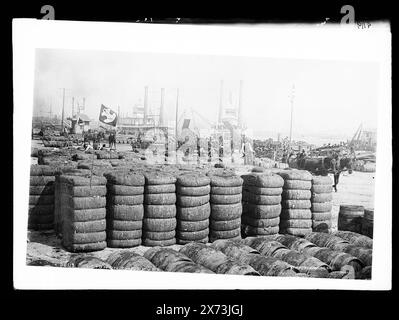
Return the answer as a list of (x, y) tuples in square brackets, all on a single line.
[(92, 140)]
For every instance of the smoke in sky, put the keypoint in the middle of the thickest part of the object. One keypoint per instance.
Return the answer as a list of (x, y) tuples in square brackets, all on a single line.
[(331, 97)]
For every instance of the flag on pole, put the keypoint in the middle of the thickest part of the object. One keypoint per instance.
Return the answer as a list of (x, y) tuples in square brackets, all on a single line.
[(108, 116)]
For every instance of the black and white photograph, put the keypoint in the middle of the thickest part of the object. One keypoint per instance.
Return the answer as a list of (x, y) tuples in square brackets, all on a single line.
[(209, 152)]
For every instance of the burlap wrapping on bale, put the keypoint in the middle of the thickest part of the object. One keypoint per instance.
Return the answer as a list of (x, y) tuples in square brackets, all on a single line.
[(83, 191), (78, 235), (296, 223), (126, 213), (124, 225), (38, 210), (255, 231), (173, 261), (226, 190), (321, 207), (89, 165), (192, 235), (43, 170), (321, 216), (194, 213), (193, 191), (162, 243), (162, 188), (159, 178), (296, 231), (192, 201), (159, 212), (41, 200), (112, 243), (223, 234), (41, 190), (83, 202), (291, 194), (86, 215), (83, 181), (293, 174), (296, 214), (297, 184), (226, 211), (123, 234), (87, 247), (270, 266), (125, 179), (41, 180), (124, 200), (186, 225), (264, 180), (258, 169), (322, 180), (81, 156), (160, 198), (225, 199), (296, 204), (355, 238), (107, 155), (126, 260), (192, 180), (168, 224), (322, 188), (260, 199), (88, 226), (76, 172), (225, 180), (264, 191), (260, 223), (122, 190), (70, 238), (321, 226), (85, 261), (183, 242), (321, 197), (258, 211), (159, 235), (225, 225)]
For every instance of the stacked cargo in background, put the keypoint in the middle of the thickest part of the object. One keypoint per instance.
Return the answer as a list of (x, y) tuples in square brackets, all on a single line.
[(261, 204), (83, 212), (41, 197), (125, 210), (321, 203), (226, 207), (159, 221), (296, 216), (193, 209)]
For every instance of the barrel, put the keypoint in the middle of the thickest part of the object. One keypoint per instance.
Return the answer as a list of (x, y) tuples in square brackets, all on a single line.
[(367, 223), (350, 218)]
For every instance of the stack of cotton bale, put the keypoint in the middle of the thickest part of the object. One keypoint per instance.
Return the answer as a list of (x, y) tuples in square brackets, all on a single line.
[(321, 203), (193, 208), (125, 211), (226, 207), (261, 203), (296, 216), (159, 221), (82, 203), (41, 197)]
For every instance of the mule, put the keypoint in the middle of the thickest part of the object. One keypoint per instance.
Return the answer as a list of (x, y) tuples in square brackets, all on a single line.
[(323, 166)]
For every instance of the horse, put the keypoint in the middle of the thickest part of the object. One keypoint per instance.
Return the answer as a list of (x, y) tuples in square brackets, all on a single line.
[(323, 166)]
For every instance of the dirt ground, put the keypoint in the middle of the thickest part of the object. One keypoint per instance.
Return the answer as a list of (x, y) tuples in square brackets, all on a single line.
[(355, 189)]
